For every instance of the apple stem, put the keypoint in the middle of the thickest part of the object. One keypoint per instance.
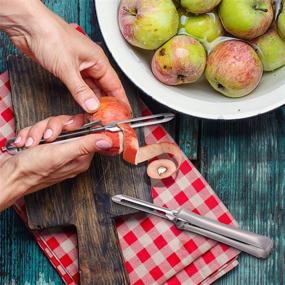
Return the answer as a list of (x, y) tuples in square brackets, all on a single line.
[(133, 11)]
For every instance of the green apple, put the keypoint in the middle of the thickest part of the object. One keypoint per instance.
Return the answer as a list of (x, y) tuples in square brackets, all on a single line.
[(246, 19), (271, 50), (181, 60), (234, 69), (205, 28), (199, 6), (281, 22), (148, 23)]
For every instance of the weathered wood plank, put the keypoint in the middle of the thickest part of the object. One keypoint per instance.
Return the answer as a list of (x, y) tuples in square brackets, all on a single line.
[(21, 260), (6, 48), (156, 108), (244, 161), (68, 10), (87, 20), (188, 138)]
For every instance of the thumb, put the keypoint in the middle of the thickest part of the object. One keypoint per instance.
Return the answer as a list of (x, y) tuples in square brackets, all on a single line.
[(80, 91), (83, 146)]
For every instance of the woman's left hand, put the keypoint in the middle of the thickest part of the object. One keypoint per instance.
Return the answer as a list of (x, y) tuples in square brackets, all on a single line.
[(45, 165)]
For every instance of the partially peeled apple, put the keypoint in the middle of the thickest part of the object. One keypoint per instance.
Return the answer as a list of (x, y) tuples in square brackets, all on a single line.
[(126, 141)]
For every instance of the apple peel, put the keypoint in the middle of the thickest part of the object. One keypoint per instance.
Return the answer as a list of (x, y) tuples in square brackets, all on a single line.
[(126, 141)]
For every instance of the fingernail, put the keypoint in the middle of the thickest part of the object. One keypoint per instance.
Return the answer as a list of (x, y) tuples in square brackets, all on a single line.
[(48, 133), (29, 142), (92, 104), (102, 144), (69, 122), (18, 140)]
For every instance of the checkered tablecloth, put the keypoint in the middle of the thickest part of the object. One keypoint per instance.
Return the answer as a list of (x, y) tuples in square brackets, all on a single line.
[(154, 250)]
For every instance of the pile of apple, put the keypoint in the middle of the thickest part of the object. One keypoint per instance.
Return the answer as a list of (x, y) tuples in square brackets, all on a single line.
[(232, 41)]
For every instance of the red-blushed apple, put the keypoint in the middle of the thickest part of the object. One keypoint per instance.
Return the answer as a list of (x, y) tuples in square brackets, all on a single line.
[(181, 60), (246, 19), (234, 69), (148, 24)]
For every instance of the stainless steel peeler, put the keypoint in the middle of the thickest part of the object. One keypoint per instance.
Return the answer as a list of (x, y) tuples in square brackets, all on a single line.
[(251, 243), (97, 126)]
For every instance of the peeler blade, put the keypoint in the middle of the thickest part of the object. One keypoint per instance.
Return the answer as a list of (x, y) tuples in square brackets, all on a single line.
[(144, 207), (140, 122)]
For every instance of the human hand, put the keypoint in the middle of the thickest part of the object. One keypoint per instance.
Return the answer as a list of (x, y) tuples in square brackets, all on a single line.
[(71, 56), (41, 166), (48, 129)]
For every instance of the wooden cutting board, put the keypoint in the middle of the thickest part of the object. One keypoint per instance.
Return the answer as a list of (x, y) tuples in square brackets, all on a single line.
[(83, 202)]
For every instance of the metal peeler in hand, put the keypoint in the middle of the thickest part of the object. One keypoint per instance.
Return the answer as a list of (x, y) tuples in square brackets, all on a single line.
[(251, 243), (97, 126)]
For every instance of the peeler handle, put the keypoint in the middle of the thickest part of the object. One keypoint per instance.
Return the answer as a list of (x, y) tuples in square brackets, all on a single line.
[(251, 243)]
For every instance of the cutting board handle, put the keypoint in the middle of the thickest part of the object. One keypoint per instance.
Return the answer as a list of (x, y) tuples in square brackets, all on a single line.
[(100, 261)]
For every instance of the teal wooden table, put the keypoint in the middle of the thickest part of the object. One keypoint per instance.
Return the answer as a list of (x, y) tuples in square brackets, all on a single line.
[(244, 161)]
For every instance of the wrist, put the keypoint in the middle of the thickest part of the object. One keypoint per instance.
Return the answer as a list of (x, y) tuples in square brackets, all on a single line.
[(12, 185)]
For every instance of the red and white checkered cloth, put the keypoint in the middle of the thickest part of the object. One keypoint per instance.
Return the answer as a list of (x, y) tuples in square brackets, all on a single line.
[(155, 252)]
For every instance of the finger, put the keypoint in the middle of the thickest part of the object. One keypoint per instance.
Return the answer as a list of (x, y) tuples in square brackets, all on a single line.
[(35, 133), (107, 80), (69, 151), (76, 122), (80, 91), (92, 84), (57, 125), (47, 159), (22, 137), (101, 70)]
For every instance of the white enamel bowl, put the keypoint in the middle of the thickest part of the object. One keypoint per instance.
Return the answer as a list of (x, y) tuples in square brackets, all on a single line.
[(198, 99)]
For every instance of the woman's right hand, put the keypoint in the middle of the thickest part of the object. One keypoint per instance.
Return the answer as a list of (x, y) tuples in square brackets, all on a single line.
[(41, 166), (71, 56)]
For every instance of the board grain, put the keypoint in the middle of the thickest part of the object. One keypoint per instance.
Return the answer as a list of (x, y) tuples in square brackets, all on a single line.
[(84, 201)]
